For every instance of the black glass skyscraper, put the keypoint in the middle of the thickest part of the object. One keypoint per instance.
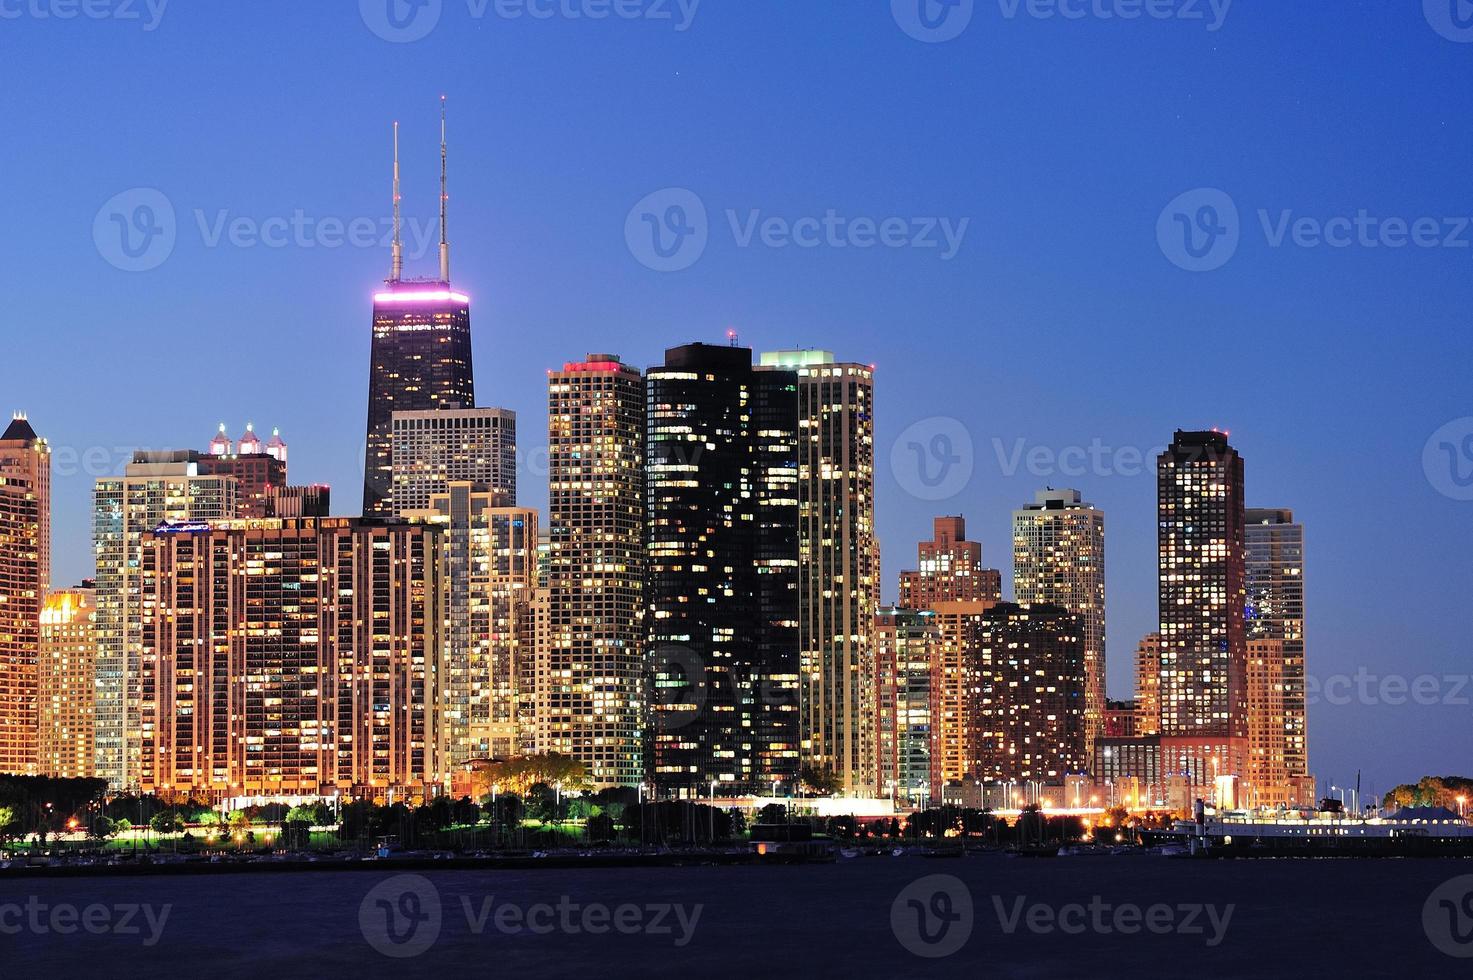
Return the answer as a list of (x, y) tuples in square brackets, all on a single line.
[(721, 485), (421, 357)]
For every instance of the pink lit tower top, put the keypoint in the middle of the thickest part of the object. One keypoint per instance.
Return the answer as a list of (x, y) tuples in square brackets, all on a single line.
[(421, 352)]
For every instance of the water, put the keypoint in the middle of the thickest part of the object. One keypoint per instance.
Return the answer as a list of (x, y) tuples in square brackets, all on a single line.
[(1267, 918)]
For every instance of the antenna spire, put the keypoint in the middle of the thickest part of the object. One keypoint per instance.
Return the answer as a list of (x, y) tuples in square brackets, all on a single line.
[(444, 198), (398, 267)]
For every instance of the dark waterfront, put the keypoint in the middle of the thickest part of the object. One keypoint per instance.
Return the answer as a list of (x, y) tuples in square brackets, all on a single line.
[(1090, 917)]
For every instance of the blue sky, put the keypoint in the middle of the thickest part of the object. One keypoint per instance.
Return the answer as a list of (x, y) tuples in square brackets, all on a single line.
[(1060, 324)]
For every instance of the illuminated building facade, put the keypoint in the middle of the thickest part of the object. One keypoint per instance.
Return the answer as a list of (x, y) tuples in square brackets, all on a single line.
[(1059, 558), (1027, 689), (420, 360), (66, 684), (1202, 595), (25, 573), (949, 569), (590, 700), (722, 464), (1275, 576), (490, 569), (959, 625), (155, 488), (288, 658), (1266, 778), (838, 566), (1148, 685), (433, 449), (259, 468), (1121, 719), (906, 644), (305, 501)]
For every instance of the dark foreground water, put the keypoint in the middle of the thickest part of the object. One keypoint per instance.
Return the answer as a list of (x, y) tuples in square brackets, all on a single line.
[(909, 916)]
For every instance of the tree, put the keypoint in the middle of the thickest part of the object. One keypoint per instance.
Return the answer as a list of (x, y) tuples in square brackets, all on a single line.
[(103, 828), (773, 813), (819, 781), (7, 822), (166, 822)]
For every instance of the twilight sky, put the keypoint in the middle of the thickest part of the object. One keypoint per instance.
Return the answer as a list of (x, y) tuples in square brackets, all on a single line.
[(1028, 321)]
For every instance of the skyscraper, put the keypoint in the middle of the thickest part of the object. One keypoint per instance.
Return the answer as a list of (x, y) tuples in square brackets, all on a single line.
[(1059, 558), (321, 678), (721, 468), (1148, 685), (838, 563), (906, 645), (949, 569), (433, 449), (490, 570), (67, 683), (1202, 593), (155, 488), (421, 353), (259, 468), (1027, 690), (25, 571), (1275, 583), (590, 699), (1266, 777), (959, 626)]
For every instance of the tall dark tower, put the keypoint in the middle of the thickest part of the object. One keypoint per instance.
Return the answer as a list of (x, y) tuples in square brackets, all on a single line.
[(421, 356)]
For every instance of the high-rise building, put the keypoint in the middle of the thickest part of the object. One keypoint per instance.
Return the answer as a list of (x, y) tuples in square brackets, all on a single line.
[(1059, 558), (906, 644), (1148, 685), (433, 449), (959, 625), (421, 353), (590, 699), (67, 683), (291, 658), (1026, 683), (722, 491), (25, 572), (259, 468), (1275, 583), (490, 559), (1204, 703), (155, 488), (304, 501), (1266, 779), (949, 569), (838, 565)]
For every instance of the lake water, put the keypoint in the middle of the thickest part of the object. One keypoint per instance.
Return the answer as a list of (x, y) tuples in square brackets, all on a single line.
[(994, 917)]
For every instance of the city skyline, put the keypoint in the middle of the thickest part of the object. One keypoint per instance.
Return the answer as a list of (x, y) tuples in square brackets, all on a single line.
[(511, 258)]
